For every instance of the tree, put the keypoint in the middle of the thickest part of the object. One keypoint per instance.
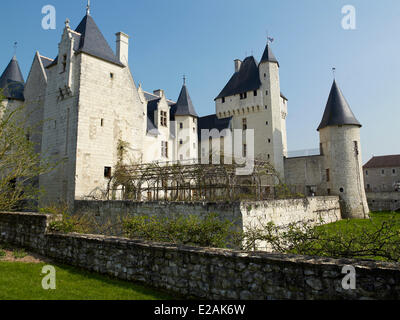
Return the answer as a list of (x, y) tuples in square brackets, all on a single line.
[(20, 165)]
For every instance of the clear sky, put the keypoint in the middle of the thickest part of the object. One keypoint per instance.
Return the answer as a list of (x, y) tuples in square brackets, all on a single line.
[(202, 38)]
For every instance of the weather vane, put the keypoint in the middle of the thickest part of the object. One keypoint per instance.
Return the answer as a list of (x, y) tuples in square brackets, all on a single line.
[(334, 72), (184, 79), (15, 48)]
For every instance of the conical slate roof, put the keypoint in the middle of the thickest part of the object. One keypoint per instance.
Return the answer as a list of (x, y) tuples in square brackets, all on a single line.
[(93, 42), (184, 105), (268, 55), (337, 111), (12, 81)]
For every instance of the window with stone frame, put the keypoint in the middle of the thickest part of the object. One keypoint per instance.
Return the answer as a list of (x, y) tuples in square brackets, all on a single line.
[(164, 149), (163, 118)]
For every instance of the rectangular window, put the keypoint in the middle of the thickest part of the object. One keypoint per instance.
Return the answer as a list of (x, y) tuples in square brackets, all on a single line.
[(163, 118), (366, 172), (64, 63), (164, 149), (244, 122), (223, 100), (102, 122), (243, 96), (255, 93), (328, 175), (107, 172), (180, 125), (245, 150)]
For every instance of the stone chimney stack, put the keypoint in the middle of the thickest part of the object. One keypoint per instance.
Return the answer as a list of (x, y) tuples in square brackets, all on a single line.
[(122, 47), (238, 64), (159, 93)]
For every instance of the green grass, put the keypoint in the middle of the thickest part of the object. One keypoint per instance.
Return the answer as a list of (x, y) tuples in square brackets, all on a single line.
[(376, 219), (23, 281)]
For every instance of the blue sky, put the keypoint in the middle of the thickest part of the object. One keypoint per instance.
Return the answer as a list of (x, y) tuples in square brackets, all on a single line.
[(202, 38)]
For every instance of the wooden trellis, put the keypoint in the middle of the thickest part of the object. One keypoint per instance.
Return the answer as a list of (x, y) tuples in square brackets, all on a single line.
[(190, 181)]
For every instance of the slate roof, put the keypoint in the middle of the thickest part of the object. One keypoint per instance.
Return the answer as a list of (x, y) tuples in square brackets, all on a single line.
[(12, 82), (246, 79), (268, 55), (212, 122), (337, 110), (184, 105), (92, 41), (151, 107), (391, 161)]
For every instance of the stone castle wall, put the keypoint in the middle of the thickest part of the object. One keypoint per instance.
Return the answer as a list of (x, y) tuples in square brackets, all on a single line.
[(244, 214), (203, 272), (383, 201)]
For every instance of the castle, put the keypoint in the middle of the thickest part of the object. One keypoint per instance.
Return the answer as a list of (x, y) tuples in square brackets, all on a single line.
[(90, 102)]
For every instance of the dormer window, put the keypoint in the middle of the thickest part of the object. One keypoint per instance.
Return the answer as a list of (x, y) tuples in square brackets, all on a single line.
[(243, 96)]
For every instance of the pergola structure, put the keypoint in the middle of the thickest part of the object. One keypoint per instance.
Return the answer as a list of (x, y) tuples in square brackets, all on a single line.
[(191, 181)]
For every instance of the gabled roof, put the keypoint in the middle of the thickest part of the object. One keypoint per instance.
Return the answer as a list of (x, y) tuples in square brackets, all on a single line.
[(268, 55), (213, 122), (337, 110), (12, 82), (90, 40), (392, 161), (246, 79), (184, 105)]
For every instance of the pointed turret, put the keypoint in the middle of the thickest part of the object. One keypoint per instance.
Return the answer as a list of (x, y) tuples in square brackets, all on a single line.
[(184, 105), (268, 55), (12, 81), (337, 110)]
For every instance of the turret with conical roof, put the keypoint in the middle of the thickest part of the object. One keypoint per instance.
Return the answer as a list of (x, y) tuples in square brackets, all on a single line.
[(337, 110), (184, 105), (341, 149), (12, 82), (268, 55), (186, 118)]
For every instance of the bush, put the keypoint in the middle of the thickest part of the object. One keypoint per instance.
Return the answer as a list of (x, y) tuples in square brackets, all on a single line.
[(377, 238), (69, 223), (187, 230)]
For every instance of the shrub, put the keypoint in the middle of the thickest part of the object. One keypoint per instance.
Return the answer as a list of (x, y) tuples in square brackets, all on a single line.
[(2, 253), (19, 253), (69, 222), (188, 230)]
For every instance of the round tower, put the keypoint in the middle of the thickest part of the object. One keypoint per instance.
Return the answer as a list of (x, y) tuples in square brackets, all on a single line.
[(340, 145)]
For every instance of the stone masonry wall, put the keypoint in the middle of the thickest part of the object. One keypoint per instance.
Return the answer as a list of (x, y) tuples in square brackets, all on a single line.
[(243, 214), (201, 272), (383, 201)]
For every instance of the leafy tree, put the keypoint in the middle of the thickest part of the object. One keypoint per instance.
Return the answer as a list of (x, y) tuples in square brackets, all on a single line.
[(20, 165)]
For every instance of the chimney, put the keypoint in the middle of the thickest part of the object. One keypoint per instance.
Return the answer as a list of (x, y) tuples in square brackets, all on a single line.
[(158, 93), (122, 47), (238, 64)]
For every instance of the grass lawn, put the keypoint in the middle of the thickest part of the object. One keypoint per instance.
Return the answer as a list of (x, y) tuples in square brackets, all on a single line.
[(355, 225), (23, 281)]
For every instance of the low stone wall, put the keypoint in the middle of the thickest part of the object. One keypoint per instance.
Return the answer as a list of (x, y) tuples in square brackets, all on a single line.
[(201, 272), (383, 201), (244, 214)]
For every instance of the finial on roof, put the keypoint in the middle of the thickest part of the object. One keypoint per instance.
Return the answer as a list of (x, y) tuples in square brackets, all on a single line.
[(184, 79), (67, 23), (334, 73), (15, 48), (88, 8)]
